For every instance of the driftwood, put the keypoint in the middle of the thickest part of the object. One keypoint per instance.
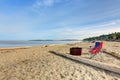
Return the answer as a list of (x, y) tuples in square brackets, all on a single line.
[(97, 64), (112, 53)]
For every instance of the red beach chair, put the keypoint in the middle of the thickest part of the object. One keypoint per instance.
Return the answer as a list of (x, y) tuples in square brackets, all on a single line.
[(96, 49)]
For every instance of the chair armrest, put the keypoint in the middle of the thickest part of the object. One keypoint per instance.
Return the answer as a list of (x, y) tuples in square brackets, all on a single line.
[(91, 47)]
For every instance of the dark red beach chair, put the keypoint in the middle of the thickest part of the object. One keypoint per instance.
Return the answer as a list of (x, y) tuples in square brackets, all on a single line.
[(96, 49)]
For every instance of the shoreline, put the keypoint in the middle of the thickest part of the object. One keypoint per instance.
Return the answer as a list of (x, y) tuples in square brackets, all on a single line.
[(35, 43)]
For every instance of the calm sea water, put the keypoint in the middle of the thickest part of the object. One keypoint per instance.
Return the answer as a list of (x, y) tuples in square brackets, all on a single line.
[(29, 43)]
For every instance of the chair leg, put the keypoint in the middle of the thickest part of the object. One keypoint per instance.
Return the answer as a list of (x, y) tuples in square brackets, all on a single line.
[(92, 56), (101, 56)]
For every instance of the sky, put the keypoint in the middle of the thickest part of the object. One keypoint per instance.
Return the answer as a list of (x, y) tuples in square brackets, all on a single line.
[(58, 19)]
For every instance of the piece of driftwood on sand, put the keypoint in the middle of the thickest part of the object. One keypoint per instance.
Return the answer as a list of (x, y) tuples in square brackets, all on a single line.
[(97, 64), (112, 53)]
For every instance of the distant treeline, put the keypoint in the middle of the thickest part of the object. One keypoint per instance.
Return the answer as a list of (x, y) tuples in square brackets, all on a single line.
[(109, 37)]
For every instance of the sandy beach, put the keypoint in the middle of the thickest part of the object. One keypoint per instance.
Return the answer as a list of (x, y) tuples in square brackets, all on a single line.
[(38, 63)]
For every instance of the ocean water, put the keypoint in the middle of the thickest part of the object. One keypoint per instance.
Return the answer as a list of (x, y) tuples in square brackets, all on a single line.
[(19, 43)]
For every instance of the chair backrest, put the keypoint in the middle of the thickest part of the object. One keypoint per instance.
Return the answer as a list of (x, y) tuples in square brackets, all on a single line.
[(101, 44), (97, 44), (97, 47)]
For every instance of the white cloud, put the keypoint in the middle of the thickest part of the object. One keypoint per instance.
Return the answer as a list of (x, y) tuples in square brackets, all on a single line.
[(47, 3), (79, 32), (87, 31), (43, 3)]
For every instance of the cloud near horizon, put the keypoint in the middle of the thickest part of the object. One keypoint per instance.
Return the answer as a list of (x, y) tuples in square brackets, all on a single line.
[(88, 31), (73, 33)]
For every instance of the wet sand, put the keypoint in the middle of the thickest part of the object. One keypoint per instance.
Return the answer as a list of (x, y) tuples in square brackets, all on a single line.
[(37, 63)]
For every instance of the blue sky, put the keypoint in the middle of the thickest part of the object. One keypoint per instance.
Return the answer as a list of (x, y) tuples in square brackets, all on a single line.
[(58, 19)]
